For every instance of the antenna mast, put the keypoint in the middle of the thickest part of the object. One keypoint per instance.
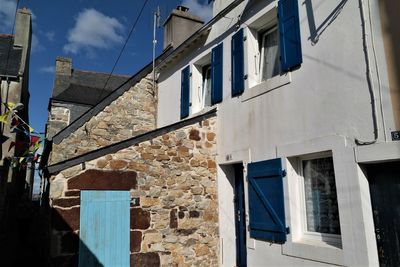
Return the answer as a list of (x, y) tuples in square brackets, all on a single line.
[(156, 24)]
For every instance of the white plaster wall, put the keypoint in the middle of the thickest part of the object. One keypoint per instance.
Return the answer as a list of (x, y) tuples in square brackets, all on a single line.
[(327, 96)]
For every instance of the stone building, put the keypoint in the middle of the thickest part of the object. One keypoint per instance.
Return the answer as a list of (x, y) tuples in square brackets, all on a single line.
[(14, 80), (276, 130), (75, 92)]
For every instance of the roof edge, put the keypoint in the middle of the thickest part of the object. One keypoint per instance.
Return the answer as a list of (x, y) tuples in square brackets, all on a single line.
[(55, 168), (113, 95)]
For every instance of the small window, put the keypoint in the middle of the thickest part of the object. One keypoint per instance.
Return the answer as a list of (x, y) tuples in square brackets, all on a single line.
[(321, 213), (269, 63), (206, 87)]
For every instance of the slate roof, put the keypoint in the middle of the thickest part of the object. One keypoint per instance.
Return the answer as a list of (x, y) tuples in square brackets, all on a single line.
[(85, 87), (7, 49)]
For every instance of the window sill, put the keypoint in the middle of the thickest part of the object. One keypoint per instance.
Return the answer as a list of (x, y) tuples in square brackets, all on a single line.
[(314, 250), (266, 86)]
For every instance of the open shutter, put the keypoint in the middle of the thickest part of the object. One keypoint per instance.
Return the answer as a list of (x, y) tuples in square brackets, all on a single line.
[(216, 74), (289, 30), (266, 201), (185, 87), (237, 63)]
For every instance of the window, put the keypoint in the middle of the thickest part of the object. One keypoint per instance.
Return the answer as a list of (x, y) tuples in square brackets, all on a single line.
[(321, 213), (269, 63), (205, 82), (206, 86), (273, 48)]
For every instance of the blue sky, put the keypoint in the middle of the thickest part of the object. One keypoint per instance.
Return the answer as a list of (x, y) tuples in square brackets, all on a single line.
[(92, 33)]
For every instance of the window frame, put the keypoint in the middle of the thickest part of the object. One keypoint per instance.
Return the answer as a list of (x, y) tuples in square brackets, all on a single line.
[(261, 41), (332, 239)]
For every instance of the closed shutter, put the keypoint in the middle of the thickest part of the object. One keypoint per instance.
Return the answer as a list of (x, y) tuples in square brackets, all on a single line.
[(216, 74), (185, 93), (237, 66), (289, 30), (266, 201)]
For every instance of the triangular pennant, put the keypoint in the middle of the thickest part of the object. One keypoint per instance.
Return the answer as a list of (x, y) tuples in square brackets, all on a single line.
[(34, 140), (15, 122), (4, 117), (10, 105), (31, 130)]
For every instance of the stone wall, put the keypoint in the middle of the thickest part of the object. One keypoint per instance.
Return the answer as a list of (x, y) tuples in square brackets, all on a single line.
[(174, 212), (59, 118), (131, 114)]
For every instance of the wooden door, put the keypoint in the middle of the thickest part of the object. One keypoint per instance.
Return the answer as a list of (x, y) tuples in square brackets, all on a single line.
[(384, 180), (240, 218), (104, 228)]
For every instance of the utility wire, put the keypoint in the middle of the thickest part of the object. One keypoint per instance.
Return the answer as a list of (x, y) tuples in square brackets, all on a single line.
[(122, 49)]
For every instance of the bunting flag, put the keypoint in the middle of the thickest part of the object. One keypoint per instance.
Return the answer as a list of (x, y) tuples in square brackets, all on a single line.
[(9, 105), (31, 130), (15, 122), (34, 139), (17, 144), (4, 117)]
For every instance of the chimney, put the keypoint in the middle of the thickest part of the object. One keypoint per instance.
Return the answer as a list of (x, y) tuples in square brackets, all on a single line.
[(179, 26), (63, 66)]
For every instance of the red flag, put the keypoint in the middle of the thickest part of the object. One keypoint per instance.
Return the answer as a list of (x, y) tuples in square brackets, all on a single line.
[(34, 140)]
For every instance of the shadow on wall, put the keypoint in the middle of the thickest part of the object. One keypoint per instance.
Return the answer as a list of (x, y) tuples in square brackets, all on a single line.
[(70, 245), (316, 32)]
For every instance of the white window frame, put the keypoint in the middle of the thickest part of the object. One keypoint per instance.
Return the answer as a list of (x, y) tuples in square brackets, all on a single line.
[(261, 59), (198, 96), (259, 24), (331, 239)]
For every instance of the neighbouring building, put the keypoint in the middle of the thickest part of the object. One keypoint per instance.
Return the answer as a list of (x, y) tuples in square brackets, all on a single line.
[(14, 80), (274, 142), (307, 140)]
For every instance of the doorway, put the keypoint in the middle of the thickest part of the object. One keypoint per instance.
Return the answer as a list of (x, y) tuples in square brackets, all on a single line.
[(384, 183), (240, 217), (104, 228)]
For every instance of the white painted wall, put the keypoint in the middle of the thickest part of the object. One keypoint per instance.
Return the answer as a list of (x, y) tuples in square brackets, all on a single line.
[(325, 104)]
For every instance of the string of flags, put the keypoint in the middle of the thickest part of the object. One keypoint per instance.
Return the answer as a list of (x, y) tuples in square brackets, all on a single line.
[(28, 146)]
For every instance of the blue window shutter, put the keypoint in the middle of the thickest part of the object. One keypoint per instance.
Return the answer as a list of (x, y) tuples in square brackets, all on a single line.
[(185, 87), (266, 201), (237, 67), (216, 74), (289, 31)]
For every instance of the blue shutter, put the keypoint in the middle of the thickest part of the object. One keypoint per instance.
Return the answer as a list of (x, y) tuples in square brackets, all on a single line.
[(185, 87), (289, 30), (266, 201), (216, 74), (237, 66), (104, 228)]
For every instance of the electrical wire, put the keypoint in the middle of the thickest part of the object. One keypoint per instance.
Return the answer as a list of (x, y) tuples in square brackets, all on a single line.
[(369, 80), (122, 49)]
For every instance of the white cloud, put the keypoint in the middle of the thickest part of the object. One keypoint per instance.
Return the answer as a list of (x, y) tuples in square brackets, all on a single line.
[(7, 12), (50, 36), (93, 30), (199, 8), (36, 46), (47, 69)]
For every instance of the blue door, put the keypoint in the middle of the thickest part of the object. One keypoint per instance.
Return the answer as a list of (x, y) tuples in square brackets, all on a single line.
[(104, 228), (240, 223)]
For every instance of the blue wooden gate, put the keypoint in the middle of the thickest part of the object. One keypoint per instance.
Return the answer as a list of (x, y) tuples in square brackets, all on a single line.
[(104, 228)]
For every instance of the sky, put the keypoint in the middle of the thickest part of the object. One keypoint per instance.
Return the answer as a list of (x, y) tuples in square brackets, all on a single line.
[(92, 33)]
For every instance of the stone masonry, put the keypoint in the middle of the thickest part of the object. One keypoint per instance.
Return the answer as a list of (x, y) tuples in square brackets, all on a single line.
[(131, 114), (172, 180), (59, 118)]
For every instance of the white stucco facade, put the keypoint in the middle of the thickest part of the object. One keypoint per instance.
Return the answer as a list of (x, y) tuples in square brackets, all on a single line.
[(322, 106)]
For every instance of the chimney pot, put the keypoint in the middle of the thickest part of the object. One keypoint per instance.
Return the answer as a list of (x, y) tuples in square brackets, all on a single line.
[(64, 66), (179, 26)]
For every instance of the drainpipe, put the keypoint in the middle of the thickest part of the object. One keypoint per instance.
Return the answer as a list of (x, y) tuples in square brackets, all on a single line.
[(369, 77)]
